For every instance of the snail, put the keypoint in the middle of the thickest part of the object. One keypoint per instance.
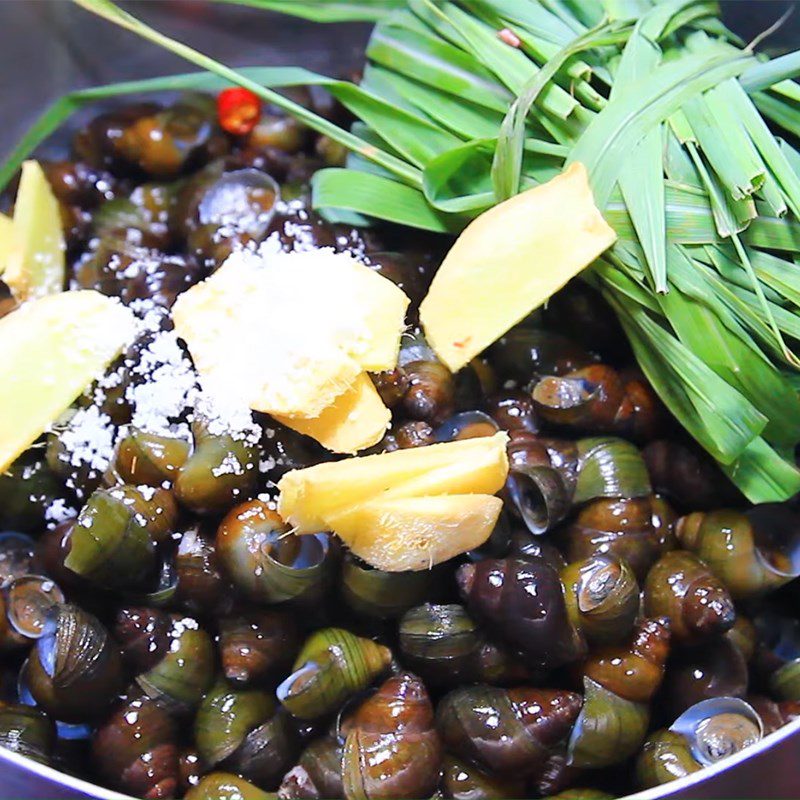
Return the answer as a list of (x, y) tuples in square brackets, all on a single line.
[(160, 142), (257, 645), (688, 476), (619, 682), (638, 530), (75, 670), (267, 562), (598, 399), (523, 601), (714, 669), (750, 552), (113, 541), (136, 749), (220, 472), (444, 645), (703, 735), (392, 748), (182, 665), (203, 587), (332, 665), (548, 477), (239, 729), (144, 458), (680, 586), (318, 774), (506, 731), (602, 597), (382, 595), (26, 603)]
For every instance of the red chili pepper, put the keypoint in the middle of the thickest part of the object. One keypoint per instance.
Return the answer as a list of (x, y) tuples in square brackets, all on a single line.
[(238, 110)]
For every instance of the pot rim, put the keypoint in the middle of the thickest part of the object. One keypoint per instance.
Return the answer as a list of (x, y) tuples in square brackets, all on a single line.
[(92, 790)]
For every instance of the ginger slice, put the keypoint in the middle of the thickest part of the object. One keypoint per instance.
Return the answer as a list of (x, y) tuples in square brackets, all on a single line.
[(52, 349), (510, 260), (356, 420), (289, 333), (34, 261), (415, 533), (309, 498)]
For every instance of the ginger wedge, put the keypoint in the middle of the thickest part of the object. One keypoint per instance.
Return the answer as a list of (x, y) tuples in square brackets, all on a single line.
[(289, 333), (356, 420), (309, 498), (414, 533), (51, 349), (510, 260), (34, 265)]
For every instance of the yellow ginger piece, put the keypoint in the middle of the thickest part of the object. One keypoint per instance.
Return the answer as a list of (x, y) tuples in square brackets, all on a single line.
[(356, 420), (510, 260), (34, 257), (310, 498), (414, 533), (290, 333), (51, 349)]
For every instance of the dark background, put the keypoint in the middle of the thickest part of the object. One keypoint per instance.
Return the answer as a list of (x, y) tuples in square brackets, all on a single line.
[(49, 47)]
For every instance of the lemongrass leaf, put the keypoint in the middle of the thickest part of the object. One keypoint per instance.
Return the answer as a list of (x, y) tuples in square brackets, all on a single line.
[(327, 11), (376, 196)]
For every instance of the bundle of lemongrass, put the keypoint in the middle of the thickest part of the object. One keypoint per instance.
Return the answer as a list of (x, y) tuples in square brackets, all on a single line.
[(465, 103)]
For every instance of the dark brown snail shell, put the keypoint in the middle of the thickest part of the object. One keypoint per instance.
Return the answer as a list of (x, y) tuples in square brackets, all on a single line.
[(202, 585), (318, 774), (526, 354), (523, 601), (507, 731), (687, 476), (598, 399), (637, 530), (258, 645), (619, 681), (267, 752), (75, 671), (513, 411), (143, 635), (159, 142), (135, 750), (26, 606), (777, 657), (682, 587), (430, 396), (714, 669), (268, 563), (392, 748)]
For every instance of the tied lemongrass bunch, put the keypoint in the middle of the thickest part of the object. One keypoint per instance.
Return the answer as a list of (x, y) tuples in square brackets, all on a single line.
[(680, 125)]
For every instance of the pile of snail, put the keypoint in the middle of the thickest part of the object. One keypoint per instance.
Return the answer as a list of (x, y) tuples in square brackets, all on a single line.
[(628, 622)]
